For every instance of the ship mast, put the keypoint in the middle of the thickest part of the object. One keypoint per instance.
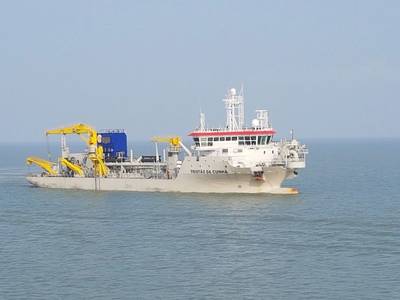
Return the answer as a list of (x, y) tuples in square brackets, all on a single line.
[(234, 105)]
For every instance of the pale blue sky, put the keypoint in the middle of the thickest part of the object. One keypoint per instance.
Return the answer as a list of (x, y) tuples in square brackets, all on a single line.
[(325, 68)]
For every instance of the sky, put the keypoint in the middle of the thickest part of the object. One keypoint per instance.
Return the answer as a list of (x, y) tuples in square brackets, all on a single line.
[(328, 69)]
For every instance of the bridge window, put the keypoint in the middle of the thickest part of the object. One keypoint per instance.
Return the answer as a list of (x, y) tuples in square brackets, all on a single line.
[(262, 139)]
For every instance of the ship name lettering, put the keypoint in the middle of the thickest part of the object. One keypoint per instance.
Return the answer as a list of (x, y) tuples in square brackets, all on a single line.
[(200, 171)]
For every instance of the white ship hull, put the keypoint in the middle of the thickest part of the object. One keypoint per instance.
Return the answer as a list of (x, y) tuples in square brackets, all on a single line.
[(185, 183)]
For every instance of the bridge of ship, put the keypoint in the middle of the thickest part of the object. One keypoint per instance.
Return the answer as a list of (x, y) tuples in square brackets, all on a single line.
[(222, 137)]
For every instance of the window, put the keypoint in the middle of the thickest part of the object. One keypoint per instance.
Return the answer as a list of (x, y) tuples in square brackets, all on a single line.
[(253, 138), (105, 140), (222, 138), (261, 140), (241, 143), (241, 138), (269, 139), (210, 143), (228, 138), (247, 138), (210, 139), (234, 138), (247, 142), (224, 150), (253, 142), (216, 139)]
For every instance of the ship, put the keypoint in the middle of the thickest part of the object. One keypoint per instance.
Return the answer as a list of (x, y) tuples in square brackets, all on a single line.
[(229, 159)]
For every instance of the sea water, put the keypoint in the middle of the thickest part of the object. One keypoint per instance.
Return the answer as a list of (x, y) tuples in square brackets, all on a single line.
[(338, 239)]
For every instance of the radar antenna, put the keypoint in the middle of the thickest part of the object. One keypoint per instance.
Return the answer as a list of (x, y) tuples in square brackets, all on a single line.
[(234, 104)]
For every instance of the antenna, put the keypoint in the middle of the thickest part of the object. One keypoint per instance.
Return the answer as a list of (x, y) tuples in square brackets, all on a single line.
[(234, 105), (202, 121), (241, 94)]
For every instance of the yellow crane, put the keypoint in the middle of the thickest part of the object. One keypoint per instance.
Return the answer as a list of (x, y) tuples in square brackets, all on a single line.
[(95, 151), (75, 168), (175, 143), (46, 165), (172, 140)]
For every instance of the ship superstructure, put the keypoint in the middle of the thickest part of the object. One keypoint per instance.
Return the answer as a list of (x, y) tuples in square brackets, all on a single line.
[(232, 159)]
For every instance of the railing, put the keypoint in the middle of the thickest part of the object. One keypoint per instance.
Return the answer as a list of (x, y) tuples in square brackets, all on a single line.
[(284, 162), (226, 129), (118, 130)]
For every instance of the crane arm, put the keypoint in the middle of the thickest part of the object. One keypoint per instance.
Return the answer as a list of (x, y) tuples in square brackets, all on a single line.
[(173, 140), (44, 164), (75, 168), (77, 129)]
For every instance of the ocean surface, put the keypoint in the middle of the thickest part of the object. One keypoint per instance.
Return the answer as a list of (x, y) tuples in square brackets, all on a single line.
[(338, 239)]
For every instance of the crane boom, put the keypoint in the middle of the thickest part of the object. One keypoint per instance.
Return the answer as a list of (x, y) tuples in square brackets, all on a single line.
[(44, 164), (77, 129), (76, 168), (173, 140)]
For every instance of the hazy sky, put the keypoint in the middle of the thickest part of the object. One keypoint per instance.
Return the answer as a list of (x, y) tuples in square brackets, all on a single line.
[(325, 68)]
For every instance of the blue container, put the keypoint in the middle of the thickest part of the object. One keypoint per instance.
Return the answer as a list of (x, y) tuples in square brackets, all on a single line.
[(114, 143)]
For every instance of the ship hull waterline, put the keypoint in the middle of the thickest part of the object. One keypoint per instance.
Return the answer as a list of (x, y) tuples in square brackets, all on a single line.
[(185, 183)]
